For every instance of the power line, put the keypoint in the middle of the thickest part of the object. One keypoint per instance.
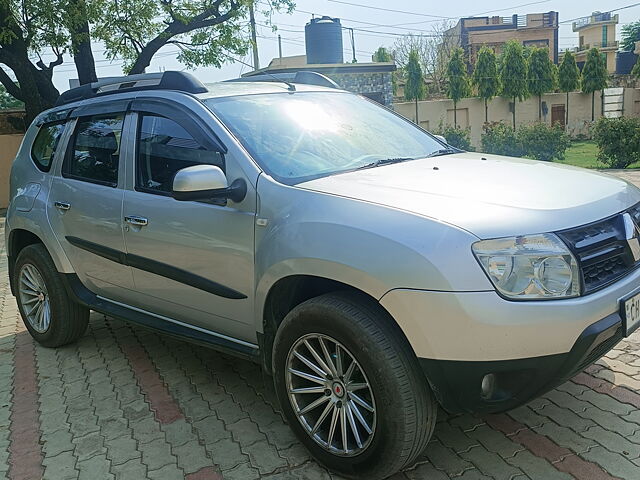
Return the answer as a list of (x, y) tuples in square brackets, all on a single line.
[(388, 9)]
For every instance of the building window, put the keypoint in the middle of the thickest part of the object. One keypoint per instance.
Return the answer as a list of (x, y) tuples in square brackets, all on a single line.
[(604, 35)]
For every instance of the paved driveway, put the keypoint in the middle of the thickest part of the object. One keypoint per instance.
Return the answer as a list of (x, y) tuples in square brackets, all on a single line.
[(126, 403)]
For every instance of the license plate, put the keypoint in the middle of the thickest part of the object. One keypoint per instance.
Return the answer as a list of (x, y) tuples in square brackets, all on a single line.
[(631, 313)]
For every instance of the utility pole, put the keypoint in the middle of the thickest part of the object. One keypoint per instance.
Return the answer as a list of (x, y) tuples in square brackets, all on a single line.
[(254, 41), (353, 47), (280, 46)]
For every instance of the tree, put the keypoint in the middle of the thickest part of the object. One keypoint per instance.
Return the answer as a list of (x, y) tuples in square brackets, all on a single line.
[(513, 74), (594, 76), (434, 50), (381, 55), (414, 88), (458, 80), (540, 75), (568, 78), (630, 35), (8, 101), (635, 71), (485, 77), (206, 32)]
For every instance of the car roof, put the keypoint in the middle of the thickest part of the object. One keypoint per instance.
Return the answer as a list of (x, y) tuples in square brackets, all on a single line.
[(214, 90)]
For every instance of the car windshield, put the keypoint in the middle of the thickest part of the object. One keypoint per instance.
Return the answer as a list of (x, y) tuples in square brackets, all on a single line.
[(296, 137)]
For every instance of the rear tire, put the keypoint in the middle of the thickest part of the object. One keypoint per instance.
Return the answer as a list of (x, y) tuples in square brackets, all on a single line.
[(51, 316), (352, 327)]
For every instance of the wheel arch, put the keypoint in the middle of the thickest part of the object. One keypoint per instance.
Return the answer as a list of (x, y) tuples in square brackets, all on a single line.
[(292, 290)]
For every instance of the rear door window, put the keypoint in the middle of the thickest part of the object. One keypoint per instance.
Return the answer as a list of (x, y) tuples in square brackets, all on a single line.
[(45, 144), (94, 154)]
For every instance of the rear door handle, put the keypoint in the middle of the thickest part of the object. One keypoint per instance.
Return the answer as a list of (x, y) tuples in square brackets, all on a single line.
[(136, 220), (62, 205)]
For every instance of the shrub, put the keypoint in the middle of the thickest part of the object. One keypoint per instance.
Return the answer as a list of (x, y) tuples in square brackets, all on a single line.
[(500, 139), (618, 141), (539, 141), (543, 142), (457, 137)]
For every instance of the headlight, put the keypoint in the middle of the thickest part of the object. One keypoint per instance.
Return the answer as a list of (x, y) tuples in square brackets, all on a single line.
[(530, 266)]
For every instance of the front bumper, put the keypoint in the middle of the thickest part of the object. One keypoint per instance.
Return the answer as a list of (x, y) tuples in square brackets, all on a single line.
[(458, 385)]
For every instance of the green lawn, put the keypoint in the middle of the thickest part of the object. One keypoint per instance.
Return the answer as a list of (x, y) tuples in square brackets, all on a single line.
[(582, 154), (585, 154)]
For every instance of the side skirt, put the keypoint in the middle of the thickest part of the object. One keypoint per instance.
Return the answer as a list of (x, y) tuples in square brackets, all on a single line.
[(174, 328)]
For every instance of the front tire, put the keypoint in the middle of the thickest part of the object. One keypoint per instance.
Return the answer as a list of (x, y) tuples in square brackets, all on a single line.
[(350, 387), (51, 316)]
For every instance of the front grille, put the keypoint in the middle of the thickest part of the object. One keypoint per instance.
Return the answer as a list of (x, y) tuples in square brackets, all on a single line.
[(602, 250)]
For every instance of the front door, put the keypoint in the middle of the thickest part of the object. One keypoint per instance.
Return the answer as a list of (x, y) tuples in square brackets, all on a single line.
[(85, 204), (558, 115), (192, 261)]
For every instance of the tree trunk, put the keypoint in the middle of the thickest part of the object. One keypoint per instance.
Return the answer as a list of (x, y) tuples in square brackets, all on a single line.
[(540, 108), (566, 114), (81, 44), (486, 111), (455, 114), (417, 120), (514, 113), (593, 106)]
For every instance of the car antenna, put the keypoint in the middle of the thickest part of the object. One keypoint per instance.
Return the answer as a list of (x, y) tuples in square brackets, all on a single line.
[(290, 86)]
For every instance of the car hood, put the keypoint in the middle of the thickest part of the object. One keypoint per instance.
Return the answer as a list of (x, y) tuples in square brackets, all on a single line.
[(487, 195)]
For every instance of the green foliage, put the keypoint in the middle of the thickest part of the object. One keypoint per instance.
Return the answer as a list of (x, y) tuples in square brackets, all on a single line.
[(538, 141), (381, 55), (485, 75), (543, 142), (7, 101), (540, 72), (513, 71), (457, 137), (568, 73), (630, 35), (457, 76), (414, 88), (635, 71), (500, 139), (594, 72), (618, 141)]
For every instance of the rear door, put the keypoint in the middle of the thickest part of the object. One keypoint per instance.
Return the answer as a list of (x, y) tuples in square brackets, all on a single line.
[(192, 261), (85, 203)]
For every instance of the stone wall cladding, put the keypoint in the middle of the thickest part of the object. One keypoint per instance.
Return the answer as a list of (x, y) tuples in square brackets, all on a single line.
[(374, 82)]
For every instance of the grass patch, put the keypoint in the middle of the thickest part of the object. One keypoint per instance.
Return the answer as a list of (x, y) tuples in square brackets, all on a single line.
[(585, 154)]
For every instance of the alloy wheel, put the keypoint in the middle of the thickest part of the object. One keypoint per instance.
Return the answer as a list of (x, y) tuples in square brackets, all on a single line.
[(331, 395), (34, 298)]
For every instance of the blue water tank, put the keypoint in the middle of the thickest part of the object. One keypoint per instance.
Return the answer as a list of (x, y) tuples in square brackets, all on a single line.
[(323, 40)]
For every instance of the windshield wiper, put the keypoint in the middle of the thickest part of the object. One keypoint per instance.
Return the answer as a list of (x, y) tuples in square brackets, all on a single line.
[(385, 161), (442, 151)]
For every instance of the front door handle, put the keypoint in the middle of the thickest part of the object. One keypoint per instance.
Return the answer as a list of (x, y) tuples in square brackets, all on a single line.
[(62, 205), (136, 220)]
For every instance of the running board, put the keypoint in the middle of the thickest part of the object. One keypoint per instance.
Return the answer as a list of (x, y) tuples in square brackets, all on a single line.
[(163, 324)]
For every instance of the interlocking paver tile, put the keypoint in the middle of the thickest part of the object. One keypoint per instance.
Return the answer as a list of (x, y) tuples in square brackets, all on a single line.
[(490, 463), (535, 467), (60, 467), (614, 463)]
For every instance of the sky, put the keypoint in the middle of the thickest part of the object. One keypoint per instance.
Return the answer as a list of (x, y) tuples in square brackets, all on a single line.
[(410, 16)]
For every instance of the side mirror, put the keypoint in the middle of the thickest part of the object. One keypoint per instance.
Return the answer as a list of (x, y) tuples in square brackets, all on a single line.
[(206, 182), (442, 139)]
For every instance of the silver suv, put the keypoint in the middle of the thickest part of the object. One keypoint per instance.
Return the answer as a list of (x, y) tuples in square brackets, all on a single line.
[(370, 268)]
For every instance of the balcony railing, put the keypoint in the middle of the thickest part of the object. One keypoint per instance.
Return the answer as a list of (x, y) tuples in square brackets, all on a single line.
[(587, 46), (598, 17)]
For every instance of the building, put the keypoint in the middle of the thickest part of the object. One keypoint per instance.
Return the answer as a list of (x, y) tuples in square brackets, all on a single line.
[(536, 30), (324, 51), (371, 79), (599, 31)]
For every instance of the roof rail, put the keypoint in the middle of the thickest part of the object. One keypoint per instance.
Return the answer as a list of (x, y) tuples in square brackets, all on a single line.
[(182, 81), (304, 77)]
